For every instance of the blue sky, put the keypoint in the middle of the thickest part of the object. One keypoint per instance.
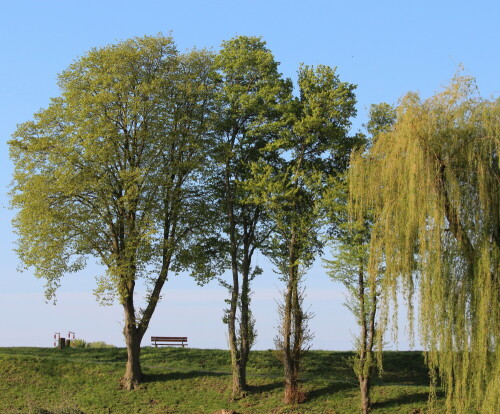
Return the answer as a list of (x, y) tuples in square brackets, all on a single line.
[(387, 48)]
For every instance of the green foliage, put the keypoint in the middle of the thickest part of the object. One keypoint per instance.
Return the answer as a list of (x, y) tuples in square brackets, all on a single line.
[(247, 110), (78, 343), (77, 172), (112, 169), (96, 170), (382, 118), (432, 183), (350, 240), (289, 181), (247, 113), (313, 144), (99, 344)]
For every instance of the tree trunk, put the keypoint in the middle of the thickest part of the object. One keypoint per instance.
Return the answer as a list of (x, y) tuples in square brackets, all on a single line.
[(240, 351), (367, 337), (245, 341), (292, 393), (364, 386), (238, 387), (290, 385), (292, 332), (238, 356), (133, 372), (237, 365)]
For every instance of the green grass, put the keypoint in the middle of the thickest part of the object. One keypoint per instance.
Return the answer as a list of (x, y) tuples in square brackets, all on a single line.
[(177, 380)]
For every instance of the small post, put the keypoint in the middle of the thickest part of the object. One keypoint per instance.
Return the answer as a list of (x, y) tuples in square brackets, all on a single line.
[(57, 335)]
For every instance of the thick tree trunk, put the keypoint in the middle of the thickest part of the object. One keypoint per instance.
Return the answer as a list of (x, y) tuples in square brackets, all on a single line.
[(133, 373), (134, 330), (292, 393), (238, 389)]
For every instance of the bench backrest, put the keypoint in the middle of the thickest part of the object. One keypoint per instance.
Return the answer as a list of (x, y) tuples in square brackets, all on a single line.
[(169, 338)]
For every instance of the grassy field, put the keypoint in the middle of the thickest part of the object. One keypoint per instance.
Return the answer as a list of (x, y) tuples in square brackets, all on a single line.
[(75, 381)]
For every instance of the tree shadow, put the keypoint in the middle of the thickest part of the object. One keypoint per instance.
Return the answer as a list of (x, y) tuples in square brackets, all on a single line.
[(321, 363), (415, 398), (179, 375), (257, 389), (330, 389)]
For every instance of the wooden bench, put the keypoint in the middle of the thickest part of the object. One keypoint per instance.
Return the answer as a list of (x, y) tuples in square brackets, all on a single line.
[(169, 341)]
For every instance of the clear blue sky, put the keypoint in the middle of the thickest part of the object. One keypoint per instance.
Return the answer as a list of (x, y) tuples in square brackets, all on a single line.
[(387, 48)]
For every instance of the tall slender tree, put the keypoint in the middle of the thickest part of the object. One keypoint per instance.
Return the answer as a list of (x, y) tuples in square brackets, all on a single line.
[(248, 98), (433, 185), (312, 145), (110, 170), (350, 267), (351, 244)]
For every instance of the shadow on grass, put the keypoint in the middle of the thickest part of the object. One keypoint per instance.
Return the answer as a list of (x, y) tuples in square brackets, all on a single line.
[(176, 375), (258, 389), (416, 398), (329, 390)]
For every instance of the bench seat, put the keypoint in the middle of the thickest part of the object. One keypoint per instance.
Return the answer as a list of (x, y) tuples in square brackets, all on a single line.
[(169, 341)]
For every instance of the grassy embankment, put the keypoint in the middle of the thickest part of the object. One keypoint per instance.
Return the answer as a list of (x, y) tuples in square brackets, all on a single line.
[(75, 381)]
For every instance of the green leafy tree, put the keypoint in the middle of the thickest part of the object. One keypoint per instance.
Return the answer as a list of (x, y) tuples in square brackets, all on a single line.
[(351, 242), (249, 92), (111, 170), (290, 185), (381, 119), (349, 267), (432, 184)]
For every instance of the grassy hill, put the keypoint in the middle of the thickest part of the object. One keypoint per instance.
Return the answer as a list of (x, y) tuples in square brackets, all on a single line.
[(75, 381)]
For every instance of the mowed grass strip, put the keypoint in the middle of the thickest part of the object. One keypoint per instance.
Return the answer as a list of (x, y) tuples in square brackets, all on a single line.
[(177, 380)]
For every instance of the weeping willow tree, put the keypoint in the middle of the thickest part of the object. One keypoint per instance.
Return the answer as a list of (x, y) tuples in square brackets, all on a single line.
[(433, 184)]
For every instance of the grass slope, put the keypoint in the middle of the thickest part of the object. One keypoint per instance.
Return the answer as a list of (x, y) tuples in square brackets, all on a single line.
[(75, 381)]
